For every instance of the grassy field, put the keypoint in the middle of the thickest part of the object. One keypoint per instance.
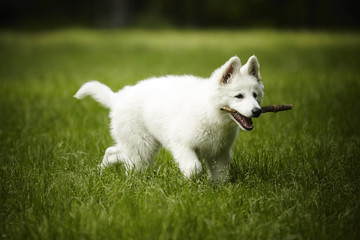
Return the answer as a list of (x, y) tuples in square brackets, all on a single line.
[(295, 176)]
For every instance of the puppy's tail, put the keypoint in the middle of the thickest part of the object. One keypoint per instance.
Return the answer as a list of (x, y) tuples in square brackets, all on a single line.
[(100, 92)]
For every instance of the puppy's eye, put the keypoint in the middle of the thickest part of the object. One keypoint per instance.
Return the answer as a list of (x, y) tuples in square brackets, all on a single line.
[(239, 96), (254, 95)]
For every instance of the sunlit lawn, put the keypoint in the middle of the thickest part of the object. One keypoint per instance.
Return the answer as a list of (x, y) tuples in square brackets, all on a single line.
[(295, 176)]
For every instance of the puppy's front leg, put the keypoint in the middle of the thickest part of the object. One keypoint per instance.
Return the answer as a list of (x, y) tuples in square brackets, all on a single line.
[(187, 160), (219, 167)]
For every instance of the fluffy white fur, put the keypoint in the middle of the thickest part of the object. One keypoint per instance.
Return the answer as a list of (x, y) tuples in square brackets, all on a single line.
[(181, 113)]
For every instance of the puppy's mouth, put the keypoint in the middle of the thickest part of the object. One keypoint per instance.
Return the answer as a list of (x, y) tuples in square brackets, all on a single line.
[(244, 122)]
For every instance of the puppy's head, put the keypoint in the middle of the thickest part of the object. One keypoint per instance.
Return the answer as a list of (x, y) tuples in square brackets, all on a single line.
[(241, 90)]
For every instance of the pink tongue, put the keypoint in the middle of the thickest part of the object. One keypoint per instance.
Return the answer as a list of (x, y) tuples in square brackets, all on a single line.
[(246, 122)]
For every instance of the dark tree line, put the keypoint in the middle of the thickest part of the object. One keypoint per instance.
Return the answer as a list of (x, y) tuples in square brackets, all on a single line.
[(181, 13)]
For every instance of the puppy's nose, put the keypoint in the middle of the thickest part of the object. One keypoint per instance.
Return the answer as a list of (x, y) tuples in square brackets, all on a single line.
[(256, 112)]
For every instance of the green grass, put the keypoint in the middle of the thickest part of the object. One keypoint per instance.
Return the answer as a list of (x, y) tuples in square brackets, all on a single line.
[(295, 176)]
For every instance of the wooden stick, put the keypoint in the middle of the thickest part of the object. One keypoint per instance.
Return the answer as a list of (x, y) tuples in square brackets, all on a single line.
[(276, 108), (273, 108), (229, 110)]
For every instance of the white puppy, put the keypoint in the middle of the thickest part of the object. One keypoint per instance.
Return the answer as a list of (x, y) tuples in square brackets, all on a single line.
[(181, 113)]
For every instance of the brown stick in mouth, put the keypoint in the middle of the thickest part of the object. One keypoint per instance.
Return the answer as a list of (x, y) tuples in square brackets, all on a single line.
[(276, 108), (229, 110), (272, 108)]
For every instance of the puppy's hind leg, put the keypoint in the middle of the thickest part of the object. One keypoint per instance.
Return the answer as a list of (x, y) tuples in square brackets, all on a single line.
[(136, 156), (115, 155)]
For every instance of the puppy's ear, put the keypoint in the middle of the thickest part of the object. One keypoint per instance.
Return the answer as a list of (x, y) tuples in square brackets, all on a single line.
[(230, 68), (252, 68)]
